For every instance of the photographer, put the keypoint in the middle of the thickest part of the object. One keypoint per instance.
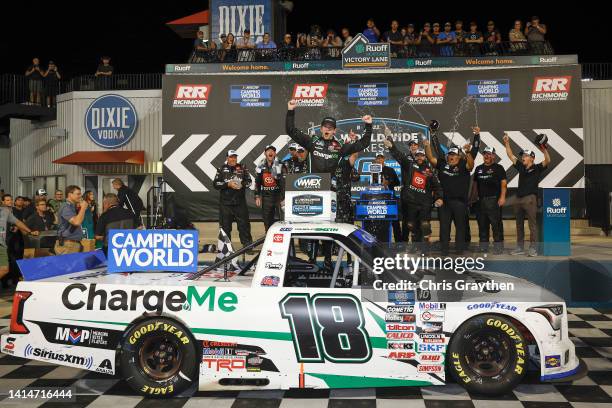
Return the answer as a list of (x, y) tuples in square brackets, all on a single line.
[(71, 216), (34, 75), (52, 78)]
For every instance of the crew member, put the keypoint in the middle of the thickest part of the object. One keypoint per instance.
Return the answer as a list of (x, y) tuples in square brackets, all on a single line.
[(346, 174), (129, 199), (420, 187), (295, 163), (269, 186), (454, 176), (113, 217), (490, 184), (526, 200), (390, 181), (231, 180), (71, 216), (325, 151)]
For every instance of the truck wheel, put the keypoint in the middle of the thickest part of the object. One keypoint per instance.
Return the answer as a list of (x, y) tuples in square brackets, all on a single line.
[(488, 355), (159, 358)]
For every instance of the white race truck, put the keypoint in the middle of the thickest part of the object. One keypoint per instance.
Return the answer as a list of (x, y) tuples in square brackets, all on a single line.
[(283, 321)]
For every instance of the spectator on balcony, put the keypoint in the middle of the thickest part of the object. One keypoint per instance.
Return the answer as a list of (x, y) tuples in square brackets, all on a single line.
[(52, 78), (222, 40), (473, 39), (266, 42), (346, 36), (34, 75), (315, 32), (535, 33), (245, 46), (229, 48), (202, 48), (518, 41), (410, 41), (333, 43), (371, 32), (394, 37), (103, 73), (425, 41), (459, 32), (492, 39), (446, 39), (286, 48)]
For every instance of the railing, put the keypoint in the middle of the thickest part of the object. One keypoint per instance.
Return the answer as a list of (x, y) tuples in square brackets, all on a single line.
[(597, 70), (19, 89), (423, 50)]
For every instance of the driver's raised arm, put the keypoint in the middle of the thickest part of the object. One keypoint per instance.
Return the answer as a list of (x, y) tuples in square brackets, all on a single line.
[(294, 133), (361, 144)]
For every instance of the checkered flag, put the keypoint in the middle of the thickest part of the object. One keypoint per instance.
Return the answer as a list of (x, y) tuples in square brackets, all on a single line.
[(225, 249)]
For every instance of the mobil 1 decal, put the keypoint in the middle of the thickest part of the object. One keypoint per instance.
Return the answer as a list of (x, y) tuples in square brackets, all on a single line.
[(245, 113)]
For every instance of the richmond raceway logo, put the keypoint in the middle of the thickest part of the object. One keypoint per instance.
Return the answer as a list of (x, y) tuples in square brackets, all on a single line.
[(551, 88), (310, 94), (427, 93), (191, 96)]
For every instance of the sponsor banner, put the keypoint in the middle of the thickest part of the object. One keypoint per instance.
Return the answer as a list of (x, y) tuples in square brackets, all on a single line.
[(432, 316), (553, 361), (308, 182), (307, 205), (400, 318), (430, 368), (153, 250), (551, 89), (432, 306), (432, 338), (431, 348), (401, 297), (251, 96), (369, 94), (235, 16), (431, 357), (400, 335), (191, 96), (400, 345), (401, 355), (492, 306), (489, 90), (65, 357), (111, 121), (556, 222), (406, 63), (381, 210), (270, 281), (431, 327), (195, 140), (360, 53)]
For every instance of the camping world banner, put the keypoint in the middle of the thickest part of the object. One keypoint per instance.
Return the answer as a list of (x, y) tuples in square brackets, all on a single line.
[(205, 115)]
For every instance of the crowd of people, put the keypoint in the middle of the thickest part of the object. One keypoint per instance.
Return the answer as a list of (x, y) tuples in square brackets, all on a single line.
[(44, 83), (63, 221), (430, 177), (450, 39)]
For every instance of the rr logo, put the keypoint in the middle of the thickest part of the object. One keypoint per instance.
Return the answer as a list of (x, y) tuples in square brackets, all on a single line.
[(428, 88)]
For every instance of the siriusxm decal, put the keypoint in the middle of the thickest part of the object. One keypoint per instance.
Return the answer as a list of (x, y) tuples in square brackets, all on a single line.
[(489, 90), (111, 121), (251, 96), (310, 182), (153, 250), (369, 94)]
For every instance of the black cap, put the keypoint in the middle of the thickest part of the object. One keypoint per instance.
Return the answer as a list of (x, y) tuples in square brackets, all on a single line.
[(328, 121), (270, 147)]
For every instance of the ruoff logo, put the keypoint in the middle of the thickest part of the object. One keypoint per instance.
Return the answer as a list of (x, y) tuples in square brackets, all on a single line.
[(556, 209), (427, 93), (191, 96), (310, 94), (551, 88)]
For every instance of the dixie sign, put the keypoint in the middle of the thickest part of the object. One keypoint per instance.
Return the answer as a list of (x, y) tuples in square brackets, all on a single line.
[(235, 16), (111, 121), (153, 250)]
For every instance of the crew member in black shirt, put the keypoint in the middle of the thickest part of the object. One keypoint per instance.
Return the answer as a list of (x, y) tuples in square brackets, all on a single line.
[(454, 175), (113, 217), (390, 181), (526, 200), (42, 219), (490, 184)]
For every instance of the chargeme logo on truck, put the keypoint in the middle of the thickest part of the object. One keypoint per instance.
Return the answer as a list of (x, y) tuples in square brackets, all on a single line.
[(78, 296)]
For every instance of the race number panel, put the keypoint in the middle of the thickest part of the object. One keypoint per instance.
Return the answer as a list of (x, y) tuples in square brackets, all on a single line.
[(327, 327)]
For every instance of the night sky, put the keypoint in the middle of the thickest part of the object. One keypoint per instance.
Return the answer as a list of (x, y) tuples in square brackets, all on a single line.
[(76, 34)]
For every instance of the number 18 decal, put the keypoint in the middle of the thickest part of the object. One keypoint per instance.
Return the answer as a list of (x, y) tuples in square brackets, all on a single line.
[(327, 327)]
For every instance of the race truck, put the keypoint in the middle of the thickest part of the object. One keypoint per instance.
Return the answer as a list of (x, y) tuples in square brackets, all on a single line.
[(285, 321)]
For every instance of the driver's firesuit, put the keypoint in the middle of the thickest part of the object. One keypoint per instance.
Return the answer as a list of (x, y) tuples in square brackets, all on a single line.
[(324, 155), (345, 175), (420, 188)]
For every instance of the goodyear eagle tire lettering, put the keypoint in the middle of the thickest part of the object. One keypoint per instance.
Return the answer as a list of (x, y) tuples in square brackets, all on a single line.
[(488, 354), (159, 358)]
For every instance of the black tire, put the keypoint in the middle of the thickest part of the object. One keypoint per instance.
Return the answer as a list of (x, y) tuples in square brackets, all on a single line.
[(488, 355), (159, 358)]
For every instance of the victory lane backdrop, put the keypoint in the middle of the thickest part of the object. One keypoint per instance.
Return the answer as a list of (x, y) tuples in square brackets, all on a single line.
[(202, 119)]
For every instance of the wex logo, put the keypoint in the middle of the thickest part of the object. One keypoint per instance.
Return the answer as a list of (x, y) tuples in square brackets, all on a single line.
[(556, 208), (310, 182), (153, 250), (111, 121)]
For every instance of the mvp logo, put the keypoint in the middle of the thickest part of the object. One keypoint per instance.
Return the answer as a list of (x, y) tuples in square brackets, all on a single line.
[(427, 93), (191, 96), (551, 88), (310, 94)]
